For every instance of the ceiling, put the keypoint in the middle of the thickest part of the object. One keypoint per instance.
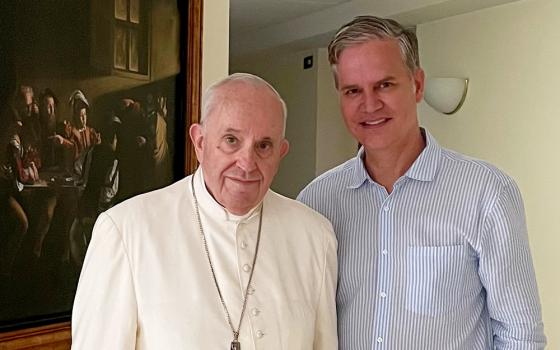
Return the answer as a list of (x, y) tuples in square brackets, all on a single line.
[(249, 15), (265, 25)]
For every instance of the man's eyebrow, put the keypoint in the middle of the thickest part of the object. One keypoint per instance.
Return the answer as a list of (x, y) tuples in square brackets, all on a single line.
[(355, 86), (349, 87), (234, 131), (390, 77)]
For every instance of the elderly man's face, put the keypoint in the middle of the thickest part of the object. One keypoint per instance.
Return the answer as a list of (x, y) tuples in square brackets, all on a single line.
[(240, 145)]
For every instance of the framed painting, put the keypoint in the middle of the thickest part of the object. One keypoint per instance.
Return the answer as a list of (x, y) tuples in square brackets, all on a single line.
[(95, 104)]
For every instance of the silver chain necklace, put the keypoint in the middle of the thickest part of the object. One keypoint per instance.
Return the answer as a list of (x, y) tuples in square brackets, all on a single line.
[(235, 345)]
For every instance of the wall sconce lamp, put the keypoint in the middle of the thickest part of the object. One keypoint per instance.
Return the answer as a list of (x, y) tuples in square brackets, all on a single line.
[(446, 95)]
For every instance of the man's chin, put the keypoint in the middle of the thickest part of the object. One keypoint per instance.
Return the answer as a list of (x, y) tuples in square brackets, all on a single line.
[(242, 188), (241, 201), (238, 207)]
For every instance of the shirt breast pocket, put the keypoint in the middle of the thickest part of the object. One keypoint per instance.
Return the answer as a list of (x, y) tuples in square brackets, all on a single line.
[(435, 278)]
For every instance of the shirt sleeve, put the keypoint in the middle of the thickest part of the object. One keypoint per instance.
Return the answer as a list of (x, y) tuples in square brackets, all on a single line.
[(326, 337), (104, 315), (306, 198), (507, 273)]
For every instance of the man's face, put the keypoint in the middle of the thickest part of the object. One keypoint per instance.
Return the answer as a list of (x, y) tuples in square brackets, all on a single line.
[(28, 97), (49, 107), (82, 117), (378, 94), (240, 145)]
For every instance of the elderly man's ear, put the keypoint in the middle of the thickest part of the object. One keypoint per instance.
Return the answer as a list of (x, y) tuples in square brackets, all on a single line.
[(284, 148), (196, 133)]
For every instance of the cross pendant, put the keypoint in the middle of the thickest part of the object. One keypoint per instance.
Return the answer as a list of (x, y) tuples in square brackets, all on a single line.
[(235, 345)]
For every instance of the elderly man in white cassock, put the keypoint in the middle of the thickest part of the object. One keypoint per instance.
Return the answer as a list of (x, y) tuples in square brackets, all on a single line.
[(216, 260)]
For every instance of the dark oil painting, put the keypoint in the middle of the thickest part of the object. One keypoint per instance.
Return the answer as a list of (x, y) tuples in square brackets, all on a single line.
[(90, 115)]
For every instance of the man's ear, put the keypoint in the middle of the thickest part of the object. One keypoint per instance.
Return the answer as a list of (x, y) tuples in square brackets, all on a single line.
[(196, 132), (284, 148), (419, 83)]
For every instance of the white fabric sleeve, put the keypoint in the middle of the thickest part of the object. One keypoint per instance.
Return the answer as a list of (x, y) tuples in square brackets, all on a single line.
[(104, 315), (326, 337)]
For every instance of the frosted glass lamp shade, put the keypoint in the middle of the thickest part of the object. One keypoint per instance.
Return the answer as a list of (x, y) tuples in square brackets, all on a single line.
[(446, 95)]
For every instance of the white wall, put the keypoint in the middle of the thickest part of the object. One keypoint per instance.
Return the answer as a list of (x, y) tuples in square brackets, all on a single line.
[(334, 143), (215, 41), (316, 28), (511, 116), (511, 54), (318, 138), (297, 86)]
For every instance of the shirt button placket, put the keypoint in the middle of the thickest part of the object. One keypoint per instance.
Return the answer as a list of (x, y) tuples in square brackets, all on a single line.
[(245, 251), (382, 293), (244, 255)]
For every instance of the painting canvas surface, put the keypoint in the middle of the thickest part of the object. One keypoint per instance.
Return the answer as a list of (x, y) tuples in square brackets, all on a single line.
[(90, 114)]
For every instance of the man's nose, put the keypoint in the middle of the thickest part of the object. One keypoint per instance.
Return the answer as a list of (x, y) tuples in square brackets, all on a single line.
[(372, 102), (246, 159)]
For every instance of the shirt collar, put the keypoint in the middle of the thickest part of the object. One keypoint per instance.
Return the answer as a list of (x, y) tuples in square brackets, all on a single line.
[(209, 205), (359, 174), (424, 167)]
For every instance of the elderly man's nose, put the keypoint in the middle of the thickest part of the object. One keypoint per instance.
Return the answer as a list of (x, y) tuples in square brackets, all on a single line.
[(247, 159)]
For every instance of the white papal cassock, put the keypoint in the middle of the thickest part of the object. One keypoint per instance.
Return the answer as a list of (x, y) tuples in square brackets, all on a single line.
[(146, 283)]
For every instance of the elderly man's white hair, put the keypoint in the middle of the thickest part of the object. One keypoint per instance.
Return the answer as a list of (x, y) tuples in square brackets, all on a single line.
[(209, 98)]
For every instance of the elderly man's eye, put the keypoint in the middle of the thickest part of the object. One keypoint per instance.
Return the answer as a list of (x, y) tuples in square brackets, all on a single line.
[(351, 92), (231, 140), (264, 147)]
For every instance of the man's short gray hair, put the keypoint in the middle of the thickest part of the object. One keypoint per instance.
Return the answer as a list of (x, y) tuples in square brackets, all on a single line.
[(209, 97), (365, 28)]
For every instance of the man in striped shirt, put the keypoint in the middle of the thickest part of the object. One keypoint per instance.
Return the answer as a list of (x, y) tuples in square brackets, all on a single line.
[(433, 248)]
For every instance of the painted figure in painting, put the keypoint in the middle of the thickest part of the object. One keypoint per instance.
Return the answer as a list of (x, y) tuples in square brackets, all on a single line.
[(134, 149), (157, 118), (14, 223)]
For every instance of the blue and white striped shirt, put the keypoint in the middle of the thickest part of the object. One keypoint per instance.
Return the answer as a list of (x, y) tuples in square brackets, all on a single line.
[(442, 262)]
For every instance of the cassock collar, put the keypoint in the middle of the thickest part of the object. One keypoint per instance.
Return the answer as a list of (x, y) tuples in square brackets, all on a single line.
[(212, 208)]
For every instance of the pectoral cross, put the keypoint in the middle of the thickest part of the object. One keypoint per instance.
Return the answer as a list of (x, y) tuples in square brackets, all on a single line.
[(235, 345)]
